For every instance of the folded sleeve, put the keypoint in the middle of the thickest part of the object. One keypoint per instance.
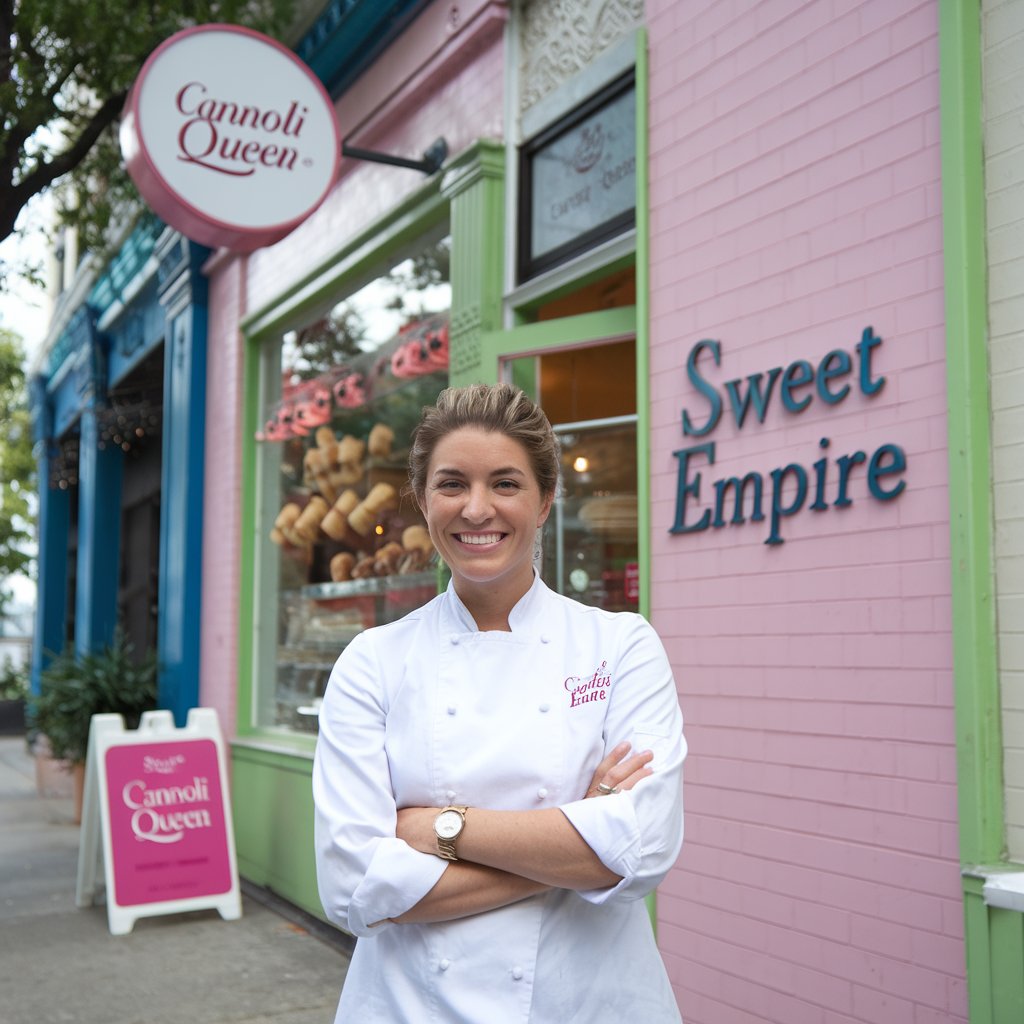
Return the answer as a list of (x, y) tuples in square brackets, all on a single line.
[(365, 874), (638, 834)]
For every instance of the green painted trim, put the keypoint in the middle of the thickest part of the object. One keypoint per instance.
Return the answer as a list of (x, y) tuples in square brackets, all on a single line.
[(274, 823), (994, 942), (643, 359), (586, 328), (643, 341), (975, 668), (1007, 950), (978, 952)]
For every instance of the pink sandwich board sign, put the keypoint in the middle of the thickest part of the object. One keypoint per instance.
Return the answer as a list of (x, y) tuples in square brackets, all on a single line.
[(156, 806)]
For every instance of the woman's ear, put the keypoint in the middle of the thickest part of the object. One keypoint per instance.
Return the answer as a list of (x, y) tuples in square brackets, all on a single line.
[(545, 510)]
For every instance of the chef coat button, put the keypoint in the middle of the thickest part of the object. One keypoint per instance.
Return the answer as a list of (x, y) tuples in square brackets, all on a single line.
[(451, 709), (455, 639), (542, 792), (545, 707), (517, 973), (545, 639), (445, 964)]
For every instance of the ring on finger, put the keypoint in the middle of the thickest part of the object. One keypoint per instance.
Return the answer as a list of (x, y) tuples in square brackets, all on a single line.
[(604, 788)]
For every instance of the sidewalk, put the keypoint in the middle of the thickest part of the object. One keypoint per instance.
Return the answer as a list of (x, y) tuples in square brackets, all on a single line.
[(61, 965)]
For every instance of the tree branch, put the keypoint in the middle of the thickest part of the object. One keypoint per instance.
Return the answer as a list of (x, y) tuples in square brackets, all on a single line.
[(15, 196)]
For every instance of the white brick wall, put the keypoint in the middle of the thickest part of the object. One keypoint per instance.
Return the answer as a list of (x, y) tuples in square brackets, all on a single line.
[(1003, 70)]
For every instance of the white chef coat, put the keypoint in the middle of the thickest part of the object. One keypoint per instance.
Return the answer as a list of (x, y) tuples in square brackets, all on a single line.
[(429, 711)]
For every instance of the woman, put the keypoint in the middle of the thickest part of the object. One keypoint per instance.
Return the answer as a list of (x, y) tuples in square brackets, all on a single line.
[(497, 777)]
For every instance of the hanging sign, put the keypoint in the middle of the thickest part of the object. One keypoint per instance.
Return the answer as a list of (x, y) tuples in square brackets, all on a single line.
[(158, 799), (230, 137)]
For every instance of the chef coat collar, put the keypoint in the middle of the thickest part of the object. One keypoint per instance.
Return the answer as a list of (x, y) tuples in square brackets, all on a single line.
[(518, 618)]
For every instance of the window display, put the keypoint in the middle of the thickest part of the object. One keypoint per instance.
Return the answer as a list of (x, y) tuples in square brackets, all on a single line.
[(343, 545)]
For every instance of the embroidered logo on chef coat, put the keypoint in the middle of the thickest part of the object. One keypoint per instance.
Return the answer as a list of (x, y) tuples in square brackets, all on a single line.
[(586, 689)]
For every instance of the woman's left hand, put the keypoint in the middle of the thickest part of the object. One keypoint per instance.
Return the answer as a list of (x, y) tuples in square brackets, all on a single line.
[(618, 773)]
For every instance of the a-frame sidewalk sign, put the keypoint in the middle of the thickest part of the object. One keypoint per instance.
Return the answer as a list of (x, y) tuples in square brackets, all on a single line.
[(157, 815)]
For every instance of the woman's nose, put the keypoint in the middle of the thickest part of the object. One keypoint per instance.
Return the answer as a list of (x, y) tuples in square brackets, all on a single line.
[(478, 507)]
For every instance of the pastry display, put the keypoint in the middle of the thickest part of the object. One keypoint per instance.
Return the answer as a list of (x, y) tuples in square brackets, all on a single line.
[(341, 566), (307, 526), (416, 538), (365, 515), (335, 523), (380, 440), (351, 526), (284, 526)]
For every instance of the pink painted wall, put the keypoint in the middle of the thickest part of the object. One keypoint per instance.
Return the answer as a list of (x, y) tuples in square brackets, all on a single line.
[(795, 200), (443, 76)]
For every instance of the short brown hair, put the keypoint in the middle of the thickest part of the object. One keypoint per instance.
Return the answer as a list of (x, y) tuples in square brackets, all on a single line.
[(497, 408)]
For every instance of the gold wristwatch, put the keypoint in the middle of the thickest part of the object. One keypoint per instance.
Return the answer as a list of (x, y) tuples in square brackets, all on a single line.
[(448, 826)]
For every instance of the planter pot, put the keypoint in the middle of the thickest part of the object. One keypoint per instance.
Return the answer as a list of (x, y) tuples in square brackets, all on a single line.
[(53, 778), (12, 718)]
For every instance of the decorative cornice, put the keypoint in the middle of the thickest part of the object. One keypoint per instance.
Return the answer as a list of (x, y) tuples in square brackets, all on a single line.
[(559, 38)]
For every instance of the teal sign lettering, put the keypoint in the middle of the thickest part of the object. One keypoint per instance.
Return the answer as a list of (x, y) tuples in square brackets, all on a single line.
[(783, 491)]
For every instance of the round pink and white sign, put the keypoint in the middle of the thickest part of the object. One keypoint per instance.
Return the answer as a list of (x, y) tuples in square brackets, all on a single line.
[(230, 137)]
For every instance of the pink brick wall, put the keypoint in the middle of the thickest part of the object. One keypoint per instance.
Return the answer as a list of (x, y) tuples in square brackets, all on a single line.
[(442, 77), (795, 200)]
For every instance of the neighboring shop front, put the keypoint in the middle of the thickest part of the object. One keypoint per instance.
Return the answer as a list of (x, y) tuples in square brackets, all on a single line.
[(118, 404)]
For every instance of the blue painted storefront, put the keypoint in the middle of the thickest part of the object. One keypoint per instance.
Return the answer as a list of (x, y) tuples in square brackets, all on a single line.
[(151, 294)]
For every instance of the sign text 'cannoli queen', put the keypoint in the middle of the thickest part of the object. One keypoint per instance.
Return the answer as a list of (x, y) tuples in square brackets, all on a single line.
[(157, 797), (230, 137)]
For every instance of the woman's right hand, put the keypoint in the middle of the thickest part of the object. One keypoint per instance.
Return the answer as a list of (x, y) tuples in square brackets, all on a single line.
[(620, 770)]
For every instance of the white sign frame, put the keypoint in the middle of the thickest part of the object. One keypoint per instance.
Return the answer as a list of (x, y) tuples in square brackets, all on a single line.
[(96, 846)]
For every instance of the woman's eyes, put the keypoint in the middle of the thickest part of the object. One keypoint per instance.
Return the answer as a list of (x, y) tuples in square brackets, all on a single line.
[(508, 486)]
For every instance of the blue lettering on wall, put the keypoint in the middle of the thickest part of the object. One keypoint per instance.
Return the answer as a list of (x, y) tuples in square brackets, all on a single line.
[(783, 491), (714, 401)]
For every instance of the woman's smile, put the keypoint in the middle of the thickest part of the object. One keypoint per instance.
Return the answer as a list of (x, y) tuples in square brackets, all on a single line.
[(478, 539)]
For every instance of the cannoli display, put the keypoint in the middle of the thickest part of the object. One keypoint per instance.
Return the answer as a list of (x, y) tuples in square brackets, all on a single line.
[(335, 523), (341, 566), (366, 514), (307, 526), (347, 520), (380, 440)]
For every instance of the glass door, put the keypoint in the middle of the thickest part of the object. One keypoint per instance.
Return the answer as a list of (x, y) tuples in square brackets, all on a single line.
[(590, 543), (589, 550)]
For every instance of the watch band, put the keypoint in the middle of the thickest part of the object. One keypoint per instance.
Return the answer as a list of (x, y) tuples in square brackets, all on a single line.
[(446, 847)]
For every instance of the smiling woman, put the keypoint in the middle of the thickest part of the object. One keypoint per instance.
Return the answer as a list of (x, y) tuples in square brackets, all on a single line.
[(466, 752)]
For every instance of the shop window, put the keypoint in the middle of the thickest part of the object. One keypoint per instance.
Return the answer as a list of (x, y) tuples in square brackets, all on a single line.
[(590, 547), (577, 180), (344, 546)]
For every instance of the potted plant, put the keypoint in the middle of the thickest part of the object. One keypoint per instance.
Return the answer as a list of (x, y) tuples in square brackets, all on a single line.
[(13, 691), (76, 687)]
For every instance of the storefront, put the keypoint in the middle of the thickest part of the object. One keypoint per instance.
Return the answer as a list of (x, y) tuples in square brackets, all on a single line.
[(741, 262), (348, 334)]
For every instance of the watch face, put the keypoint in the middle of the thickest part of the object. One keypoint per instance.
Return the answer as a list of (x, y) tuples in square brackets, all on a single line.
[(448, 824)]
